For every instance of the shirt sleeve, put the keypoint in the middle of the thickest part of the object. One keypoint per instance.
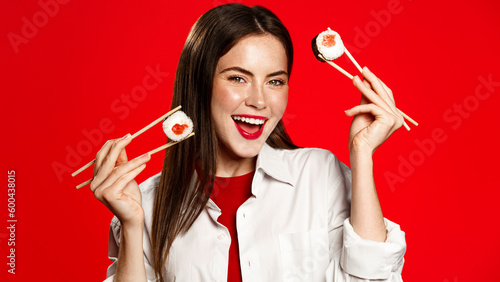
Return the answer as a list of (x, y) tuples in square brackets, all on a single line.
[(353, 258), (113, 251)]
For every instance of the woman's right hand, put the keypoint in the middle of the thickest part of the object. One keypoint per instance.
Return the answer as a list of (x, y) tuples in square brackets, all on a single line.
[(115, 186)]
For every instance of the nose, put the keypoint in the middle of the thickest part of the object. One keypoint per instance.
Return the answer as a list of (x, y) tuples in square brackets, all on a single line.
[(256, 97)]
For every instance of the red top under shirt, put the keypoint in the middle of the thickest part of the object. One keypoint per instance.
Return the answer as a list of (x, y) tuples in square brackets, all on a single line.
[(229, 193)]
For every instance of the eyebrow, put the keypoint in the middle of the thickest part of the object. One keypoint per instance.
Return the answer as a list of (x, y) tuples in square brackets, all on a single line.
[(247, 72)]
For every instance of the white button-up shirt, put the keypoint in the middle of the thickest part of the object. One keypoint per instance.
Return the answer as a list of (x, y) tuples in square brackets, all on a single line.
[(294, 227)]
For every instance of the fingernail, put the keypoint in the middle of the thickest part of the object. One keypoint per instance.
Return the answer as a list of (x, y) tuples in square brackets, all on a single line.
[(365, 68), (356, 78), (145, 156), (126, 136)]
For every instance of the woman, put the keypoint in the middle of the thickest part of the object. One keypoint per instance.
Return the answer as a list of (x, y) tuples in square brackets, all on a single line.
[(273, 212)]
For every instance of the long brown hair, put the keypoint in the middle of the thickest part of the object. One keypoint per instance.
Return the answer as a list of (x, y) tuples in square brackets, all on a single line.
[(178, 201)]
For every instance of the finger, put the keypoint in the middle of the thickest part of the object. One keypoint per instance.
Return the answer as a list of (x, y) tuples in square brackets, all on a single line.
[(109, 161), (366, 109), (388, 90), (379, 88), (108, 194), (122, 158), (122, 182), (102, 154), (99, 159), (397, 112), (370, 94), (364, 100), (377, 112), (367, 84), (383, 117), (118, 172)]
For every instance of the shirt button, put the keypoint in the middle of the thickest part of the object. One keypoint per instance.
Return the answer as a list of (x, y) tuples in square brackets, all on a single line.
[(244, 215), (221, 237)]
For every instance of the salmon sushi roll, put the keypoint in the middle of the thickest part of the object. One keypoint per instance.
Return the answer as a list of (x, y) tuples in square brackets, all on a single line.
[(177, 126), (329, 44)]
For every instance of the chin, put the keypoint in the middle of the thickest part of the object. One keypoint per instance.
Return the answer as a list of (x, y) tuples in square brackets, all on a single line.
[(241, 150), (247, 152), (235, 146)]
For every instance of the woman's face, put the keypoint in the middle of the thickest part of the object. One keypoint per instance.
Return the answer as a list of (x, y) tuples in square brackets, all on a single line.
[(250, 93)]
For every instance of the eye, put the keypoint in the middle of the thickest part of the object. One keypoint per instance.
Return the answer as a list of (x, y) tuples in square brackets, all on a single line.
[(276, 82), (237, 79)]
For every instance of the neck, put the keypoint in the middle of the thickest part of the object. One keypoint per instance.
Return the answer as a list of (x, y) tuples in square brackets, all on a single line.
[(230, 165)]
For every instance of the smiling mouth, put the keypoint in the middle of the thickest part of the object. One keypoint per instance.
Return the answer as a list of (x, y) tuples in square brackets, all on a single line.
[(250, 127)]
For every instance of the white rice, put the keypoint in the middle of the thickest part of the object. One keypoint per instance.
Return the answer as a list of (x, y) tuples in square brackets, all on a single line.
[(180, 118), (330, 53)]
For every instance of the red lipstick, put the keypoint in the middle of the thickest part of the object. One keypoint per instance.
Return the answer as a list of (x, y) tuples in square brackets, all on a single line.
[(248, 135)]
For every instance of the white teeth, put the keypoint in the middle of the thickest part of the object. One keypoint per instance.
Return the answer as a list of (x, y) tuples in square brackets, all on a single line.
[(250, 120)]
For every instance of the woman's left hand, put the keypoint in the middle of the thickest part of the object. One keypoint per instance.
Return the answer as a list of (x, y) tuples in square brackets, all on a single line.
[(376, 118)]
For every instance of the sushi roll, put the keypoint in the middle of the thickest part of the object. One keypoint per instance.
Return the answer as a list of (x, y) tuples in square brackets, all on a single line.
[(177, 126), (329, 44)]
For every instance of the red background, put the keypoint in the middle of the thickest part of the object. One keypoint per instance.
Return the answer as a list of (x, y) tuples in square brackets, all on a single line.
[(66, 74)]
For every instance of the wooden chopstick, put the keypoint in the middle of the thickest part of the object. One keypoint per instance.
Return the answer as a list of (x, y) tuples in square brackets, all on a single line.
[(169, 144), (361, 71), (132, 137), (350, 76), (353, 60)]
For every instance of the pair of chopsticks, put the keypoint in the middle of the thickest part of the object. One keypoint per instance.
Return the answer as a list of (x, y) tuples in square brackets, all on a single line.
[(350, 76), (132, 137)]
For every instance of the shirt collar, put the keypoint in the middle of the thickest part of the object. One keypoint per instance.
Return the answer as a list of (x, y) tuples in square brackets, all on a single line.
[(271, 162)]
